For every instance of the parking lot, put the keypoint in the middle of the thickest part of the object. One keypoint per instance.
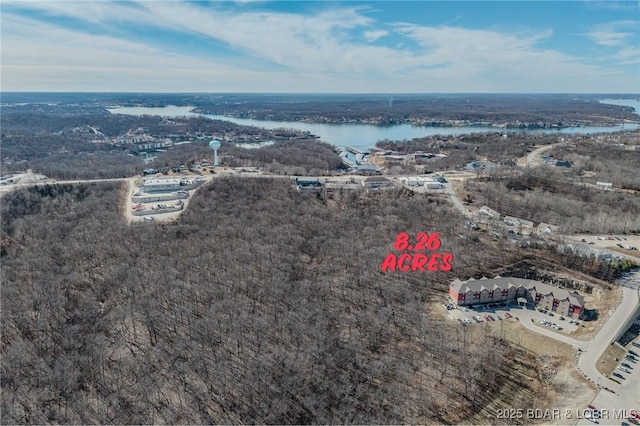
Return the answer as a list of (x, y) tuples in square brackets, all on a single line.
[(501, 311), (479, 314), (624, 408)]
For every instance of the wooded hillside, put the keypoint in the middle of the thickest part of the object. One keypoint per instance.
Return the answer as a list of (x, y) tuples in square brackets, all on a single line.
[(262, 305)]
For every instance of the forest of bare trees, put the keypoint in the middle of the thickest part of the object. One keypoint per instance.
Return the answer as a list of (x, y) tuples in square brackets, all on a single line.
[(460, 150), (528, 110), (261, 305), (548, 195), (605, 162)]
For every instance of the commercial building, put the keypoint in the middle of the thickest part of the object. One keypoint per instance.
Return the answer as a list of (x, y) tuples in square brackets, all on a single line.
[(434, 185), (508, 289), (161, 185)]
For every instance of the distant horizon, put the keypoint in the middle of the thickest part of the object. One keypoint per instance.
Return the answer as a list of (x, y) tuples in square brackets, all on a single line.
[(322, 93), (309, 47)]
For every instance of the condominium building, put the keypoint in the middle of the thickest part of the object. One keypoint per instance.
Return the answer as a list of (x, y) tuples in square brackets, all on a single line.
[(507, 289)]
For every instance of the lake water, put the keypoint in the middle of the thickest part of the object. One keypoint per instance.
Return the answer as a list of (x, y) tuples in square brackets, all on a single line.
[(365, 136), (634, 103)]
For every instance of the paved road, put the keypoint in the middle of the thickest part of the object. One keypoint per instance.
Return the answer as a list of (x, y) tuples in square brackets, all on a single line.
[(611, 329), (533, 158), (457, 203), (4, 189), (619, 398)]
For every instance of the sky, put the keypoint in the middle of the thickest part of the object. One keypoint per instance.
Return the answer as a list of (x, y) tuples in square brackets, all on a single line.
[(321, 46)]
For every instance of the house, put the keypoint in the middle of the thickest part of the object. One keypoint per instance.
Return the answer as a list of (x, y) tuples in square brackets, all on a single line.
[(511, 221), (376, 182), (367, 169), (546, 229), (526, 223), (480, 165), (308, 185), (484, 210), (519, 226), (607, 186), (508, 289)]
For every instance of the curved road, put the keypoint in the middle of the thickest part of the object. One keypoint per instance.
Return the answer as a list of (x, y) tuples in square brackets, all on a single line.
[(623, 396)]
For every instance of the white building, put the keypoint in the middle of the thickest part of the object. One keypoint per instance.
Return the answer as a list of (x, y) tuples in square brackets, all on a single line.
[(412, 181), (161, 185)]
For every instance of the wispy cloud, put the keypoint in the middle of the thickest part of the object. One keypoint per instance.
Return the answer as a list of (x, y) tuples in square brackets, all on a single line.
[(332, 48), (372, 36), (614, 33), (621, 35), (618, 6)]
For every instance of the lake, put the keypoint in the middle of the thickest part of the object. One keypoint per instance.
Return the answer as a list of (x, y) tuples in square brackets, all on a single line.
[(365, 136), (633, 103)]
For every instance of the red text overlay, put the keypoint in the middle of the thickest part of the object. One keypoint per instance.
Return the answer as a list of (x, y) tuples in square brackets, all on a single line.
[(412, 257)]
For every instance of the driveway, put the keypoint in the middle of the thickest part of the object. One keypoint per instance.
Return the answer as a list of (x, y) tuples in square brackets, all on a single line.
[(617, 399)]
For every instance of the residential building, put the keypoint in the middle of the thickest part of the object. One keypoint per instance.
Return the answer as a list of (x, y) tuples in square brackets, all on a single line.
[(607, 186), (308, 185), (508, 289), (487, 211), (547, 229)]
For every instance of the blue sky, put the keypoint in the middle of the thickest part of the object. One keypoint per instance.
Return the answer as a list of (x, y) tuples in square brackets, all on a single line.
[(321, 46)]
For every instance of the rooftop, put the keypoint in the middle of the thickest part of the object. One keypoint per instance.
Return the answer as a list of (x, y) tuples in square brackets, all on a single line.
[(504, 283)]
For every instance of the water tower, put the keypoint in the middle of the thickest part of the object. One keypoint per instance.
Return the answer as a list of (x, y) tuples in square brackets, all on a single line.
[(215, 144)]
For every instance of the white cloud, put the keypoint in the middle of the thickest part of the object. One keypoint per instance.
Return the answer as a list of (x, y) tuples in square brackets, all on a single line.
[(372, 36), (609, 38), (279, 52), (468, 53), (615, 33), (622, 36)]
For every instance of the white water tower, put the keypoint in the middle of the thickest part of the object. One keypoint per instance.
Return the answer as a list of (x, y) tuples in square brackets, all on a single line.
[(215, 144)]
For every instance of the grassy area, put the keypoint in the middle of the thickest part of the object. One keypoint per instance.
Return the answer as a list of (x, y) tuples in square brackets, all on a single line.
[(609, 359)]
